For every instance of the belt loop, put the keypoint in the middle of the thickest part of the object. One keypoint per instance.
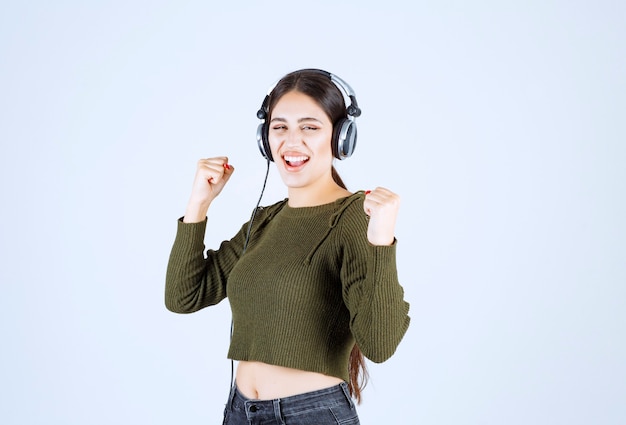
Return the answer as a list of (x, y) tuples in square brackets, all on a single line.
[(277, 413), (346, 392)]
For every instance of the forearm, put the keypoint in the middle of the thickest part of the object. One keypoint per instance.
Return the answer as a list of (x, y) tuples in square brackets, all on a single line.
[(192, 282), (379, 313)]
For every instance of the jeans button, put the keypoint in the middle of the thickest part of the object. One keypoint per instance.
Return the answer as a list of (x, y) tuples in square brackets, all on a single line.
[(253, 408)]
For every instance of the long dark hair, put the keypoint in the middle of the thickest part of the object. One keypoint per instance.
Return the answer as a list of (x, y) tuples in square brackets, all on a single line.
[(320, 88)]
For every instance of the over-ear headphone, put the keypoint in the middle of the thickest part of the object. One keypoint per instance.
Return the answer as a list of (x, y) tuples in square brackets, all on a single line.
[(344, 132)]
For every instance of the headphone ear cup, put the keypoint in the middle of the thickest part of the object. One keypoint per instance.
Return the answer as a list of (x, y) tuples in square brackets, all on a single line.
[(262, 141), (344, 138)]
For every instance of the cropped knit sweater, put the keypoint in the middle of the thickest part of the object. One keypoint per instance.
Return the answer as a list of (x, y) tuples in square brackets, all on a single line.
[(308, 286)]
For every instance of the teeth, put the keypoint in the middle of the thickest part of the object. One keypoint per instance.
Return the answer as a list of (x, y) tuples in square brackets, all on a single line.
[(296, 158)]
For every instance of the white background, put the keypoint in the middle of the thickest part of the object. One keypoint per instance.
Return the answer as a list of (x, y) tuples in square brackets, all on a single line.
[(501, 125)]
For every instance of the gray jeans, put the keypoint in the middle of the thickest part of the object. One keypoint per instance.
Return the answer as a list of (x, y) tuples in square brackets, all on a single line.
[(328, 406)]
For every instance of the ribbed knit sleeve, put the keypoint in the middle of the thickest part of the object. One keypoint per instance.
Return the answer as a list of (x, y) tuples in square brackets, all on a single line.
[(194, 281), (378, 312)]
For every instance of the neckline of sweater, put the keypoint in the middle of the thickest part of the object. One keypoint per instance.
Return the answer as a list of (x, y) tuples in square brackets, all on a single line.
[(318, 209)]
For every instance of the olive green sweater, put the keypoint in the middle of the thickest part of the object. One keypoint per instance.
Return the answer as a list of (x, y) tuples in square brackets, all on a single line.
[(308, 286)]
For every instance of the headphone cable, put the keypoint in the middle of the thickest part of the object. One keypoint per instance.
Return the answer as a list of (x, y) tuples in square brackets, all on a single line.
[(245, 246)]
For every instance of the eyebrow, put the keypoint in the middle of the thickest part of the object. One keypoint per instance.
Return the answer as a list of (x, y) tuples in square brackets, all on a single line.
[(299, 120)]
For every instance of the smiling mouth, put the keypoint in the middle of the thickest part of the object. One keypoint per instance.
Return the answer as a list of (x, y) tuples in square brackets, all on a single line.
[(295, 161)]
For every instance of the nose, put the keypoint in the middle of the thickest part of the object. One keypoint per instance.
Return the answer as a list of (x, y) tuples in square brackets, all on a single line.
[(293, 138)]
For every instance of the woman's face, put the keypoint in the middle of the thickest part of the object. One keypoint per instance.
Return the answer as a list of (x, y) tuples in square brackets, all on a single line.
[(299, 136)]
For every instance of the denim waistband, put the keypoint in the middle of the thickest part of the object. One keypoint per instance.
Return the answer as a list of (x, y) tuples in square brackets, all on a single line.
[(327, 397)]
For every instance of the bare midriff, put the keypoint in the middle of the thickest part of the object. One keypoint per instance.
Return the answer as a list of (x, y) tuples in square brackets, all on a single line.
[(262, 381)]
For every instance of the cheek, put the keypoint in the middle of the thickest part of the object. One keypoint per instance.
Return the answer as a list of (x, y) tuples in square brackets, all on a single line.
[(272, 141), (326, 144)]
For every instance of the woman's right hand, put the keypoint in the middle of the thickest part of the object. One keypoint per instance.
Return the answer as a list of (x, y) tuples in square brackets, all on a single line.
[(212, 174)]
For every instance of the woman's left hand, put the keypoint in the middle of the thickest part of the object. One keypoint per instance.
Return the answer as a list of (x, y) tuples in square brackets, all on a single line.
[(382, 206)]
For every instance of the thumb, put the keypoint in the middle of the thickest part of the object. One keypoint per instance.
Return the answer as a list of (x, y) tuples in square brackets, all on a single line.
[(228, 171)]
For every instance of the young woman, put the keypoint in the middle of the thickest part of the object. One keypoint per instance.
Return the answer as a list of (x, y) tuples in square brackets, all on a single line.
[(311, 280)]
